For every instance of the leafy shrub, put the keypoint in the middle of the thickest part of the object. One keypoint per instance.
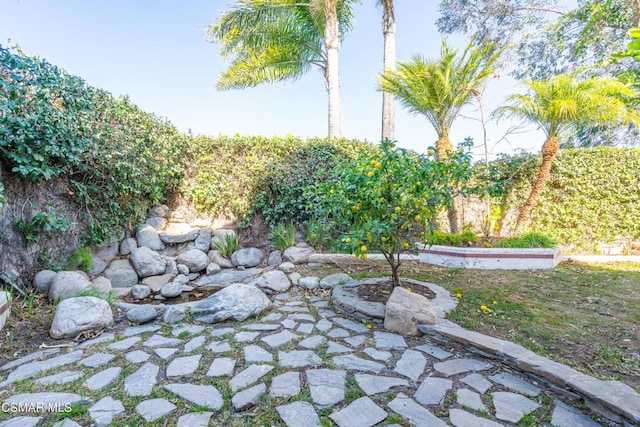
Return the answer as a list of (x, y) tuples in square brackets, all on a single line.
[(226, 244), (42, 222), (284, 236), (80, 259), (119, 159), (527, 240), (378, 201), (437, 237)]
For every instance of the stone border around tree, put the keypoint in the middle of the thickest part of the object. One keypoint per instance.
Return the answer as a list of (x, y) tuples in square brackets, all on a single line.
[(611, 399), (346, 300)]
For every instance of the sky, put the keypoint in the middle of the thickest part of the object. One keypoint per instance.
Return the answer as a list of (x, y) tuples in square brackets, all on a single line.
[(156, 52)]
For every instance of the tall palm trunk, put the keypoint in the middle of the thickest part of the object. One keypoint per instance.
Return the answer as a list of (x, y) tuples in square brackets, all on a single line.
[(549, 151), (389, 63), (331, 73), (444, 148)]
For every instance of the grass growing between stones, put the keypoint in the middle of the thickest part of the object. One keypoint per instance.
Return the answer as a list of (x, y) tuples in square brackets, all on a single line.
[(586, 316)]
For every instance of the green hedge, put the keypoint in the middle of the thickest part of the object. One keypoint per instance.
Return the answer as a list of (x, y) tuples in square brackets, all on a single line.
[(593, 195), (241, 175), (119, 159)]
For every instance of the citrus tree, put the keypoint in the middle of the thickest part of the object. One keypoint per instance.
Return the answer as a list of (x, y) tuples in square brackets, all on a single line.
[(383, 201)]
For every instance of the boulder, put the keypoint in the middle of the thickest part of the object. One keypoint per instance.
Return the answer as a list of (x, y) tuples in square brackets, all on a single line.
[(174, 314), (75, 315), (42, 281), (121, 274), (178, 233), (275, 258), (140, 291), (157, 282), (97, 266), (333, 280), (218, 258), (297, 254), (212, 268), (148, 236), (102, 284), (128, 245), (294, 277), (276, 280), (194, 259), (287, 267), (236, 301), (156, 222), (172, 266), (310, 282), (249, 257), (147, 262), (161, 211), (406, 310), (203, 241), (171, 289), (141, 314), (106, 252), (68, 284)]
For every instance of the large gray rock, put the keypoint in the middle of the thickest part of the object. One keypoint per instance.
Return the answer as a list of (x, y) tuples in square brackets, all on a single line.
[(148, 236), (172, 289), (68, 284), (248, 257), (276, 280), (275, 258), (102, 285), (147, 262), (329, 282), (297, 254), (42, 281), (140, 291), (178, 233), (218, 258), (97, 266), (121, 274), (155, 283), (236, 302), (161, 211), (127, 246), (142, 314), (194, 259), (406, 310), (203, 241), (156, 222), (75, 315)]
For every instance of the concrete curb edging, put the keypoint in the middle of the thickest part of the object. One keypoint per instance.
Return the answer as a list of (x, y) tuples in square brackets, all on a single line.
[(490, 258), (611, 399)]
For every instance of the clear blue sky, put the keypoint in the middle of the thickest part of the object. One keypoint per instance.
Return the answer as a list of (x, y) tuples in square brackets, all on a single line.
[(156, 52)]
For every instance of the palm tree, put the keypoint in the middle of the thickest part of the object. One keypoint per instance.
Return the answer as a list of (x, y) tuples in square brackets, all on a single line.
[(269, 41), (557, 106), (389, 63), (439, 88)]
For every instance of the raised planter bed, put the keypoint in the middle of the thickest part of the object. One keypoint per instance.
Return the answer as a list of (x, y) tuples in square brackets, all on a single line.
[(491, 258)]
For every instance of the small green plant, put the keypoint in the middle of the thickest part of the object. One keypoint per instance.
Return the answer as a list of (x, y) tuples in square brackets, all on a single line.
[(81, 259), (528, 240), (437, 237), (226, 244), (41, 222), (284, 236), (48, 262), (97, 293)]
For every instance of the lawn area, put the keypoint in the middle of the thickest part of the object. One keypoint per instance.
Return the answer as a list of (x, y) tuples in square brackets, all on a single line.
[(586, 316)]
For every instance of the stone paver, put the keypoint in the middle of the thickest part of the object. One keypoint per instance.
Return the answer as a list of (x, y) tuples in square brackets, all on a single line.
[(416, 414), (458, 366), (103, 378), (295, 344), (512, 407), (181, 366), (142, 381), (285, 385), (201, 395), (154, 409), (249, 376), (374, 384), (298, 414), (248, 398), (195, 419), (361, 412), (411, 364), (327, 386), (221, 366)]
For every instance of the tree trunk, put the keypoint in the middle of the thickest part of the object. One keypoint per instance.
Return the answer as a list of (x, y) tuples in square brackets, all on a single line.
[(444, 148), (389, 63), (636, 9), (394, 272), (549, 151), (332, 46)]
